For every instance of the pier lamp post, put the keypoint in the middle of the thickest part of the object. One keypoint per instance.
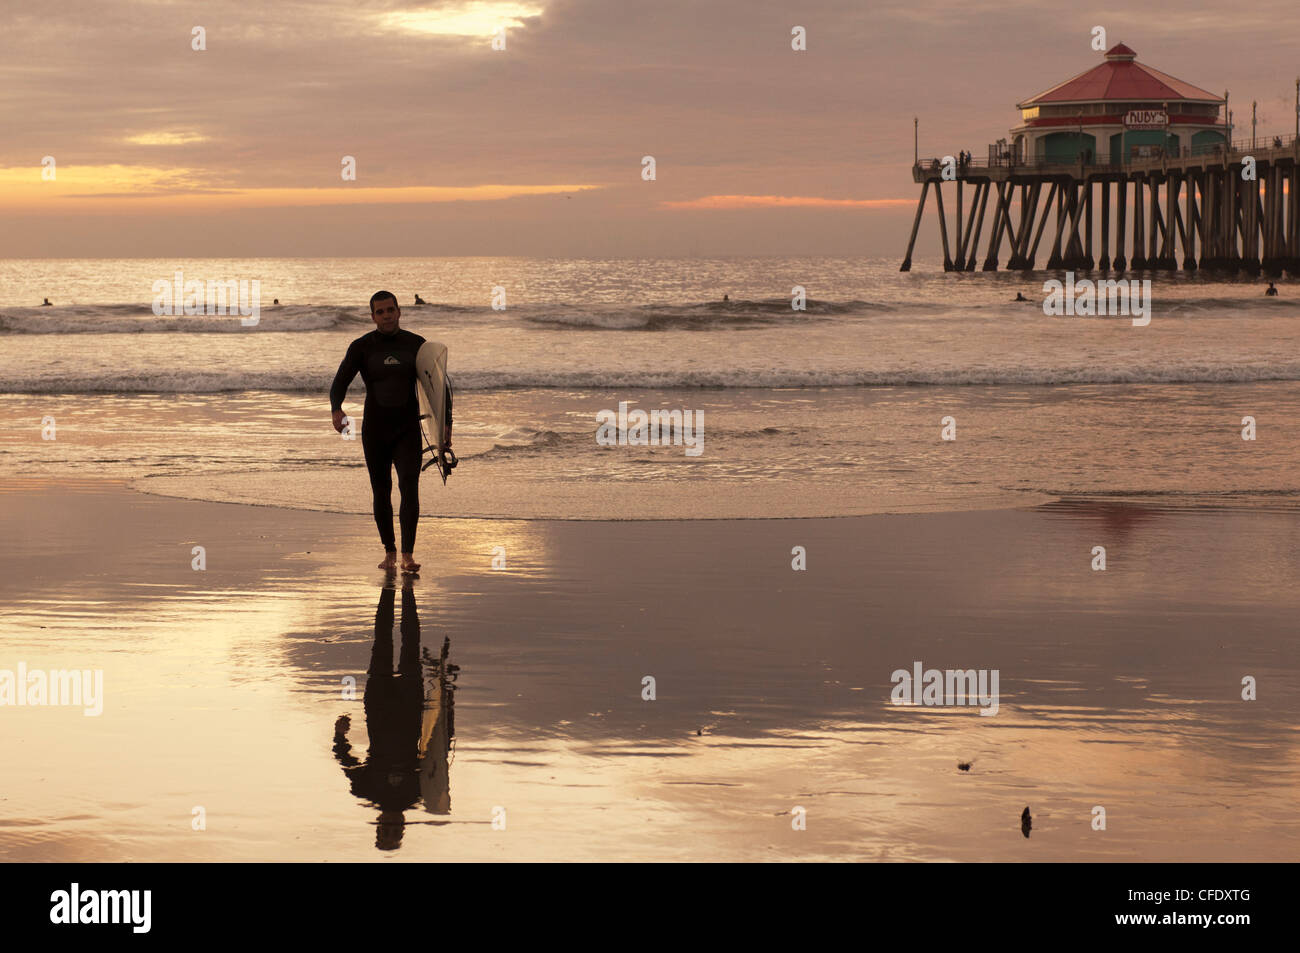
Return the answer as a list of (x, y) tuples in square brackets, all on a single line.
[(1252, 124), (1164, 144), (1228, 147), (916, 156), (1227, 116)]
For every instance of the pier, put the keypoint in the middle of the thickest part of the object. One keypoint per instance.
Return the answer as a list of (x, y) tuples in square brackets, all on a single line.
[(1168, 149)]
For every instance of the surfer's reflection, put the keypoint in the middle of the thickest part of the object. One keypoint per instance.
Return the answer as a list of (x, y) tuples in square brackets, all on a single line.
[(409, 720)]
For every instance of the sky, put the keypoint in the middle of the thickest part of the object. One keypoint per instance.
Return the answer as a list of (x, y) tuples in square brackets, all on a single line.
[(237, 150)]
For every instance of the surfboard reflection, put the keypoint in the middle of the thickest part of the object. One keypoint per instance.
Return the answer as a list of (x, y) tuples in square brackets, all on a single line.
[(410, 723)]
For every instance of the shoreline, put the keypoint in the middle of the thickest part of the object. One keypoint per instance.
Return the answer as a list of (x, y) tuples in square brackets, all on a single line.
[(975, 502), (770, 454)]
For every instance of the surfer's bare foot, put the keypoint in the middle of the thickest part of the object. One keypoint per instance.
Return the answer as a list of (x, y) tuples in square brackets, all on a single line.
[(409, 564), (390, 562)]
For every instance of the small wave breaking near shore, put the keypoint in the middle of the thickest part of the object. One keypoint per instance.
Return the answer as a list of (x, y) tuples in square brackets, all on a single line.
[(712, 315), (172, 381), (737, 315)]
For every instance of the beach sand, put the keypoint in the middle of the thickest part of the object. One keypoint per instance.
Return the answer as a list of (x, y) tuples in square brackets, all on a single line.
[(222, 687)]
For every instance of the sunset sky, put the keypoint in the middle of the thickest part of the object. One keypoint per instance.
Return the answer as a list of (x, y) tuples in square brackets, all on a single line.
[(536, 150)]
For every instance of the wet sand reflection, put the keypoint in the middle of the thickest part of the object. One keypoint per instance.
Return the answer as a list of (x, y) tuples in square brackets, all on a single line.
[(410, 721)]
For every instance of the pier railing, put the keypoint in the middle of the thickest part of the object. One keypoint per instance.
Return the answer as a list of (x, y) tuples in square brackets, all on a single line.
[(1254, 143), (1151, 156)]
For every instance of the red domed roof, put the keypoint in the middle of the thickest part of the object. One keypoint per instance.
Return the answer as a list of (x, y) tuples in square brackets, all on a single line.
[(1121, 78)]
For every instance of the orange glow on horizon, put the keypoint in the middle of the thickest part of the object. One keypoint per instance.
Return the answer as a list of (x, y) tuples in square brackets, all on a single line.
[(90, 188), (785, 201)]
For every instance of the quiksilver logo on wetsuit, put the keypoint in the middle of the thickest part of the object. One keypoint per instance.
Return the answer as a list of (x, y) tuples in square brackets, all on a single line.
[(391, 360)]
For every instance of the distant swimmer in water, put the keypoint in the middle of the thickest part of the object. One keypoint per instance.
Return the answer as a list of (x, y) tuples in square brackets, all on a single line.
[(419, 300), (1020, 297), (1270, 292), (46, 302), (725, 298), (276, 301)]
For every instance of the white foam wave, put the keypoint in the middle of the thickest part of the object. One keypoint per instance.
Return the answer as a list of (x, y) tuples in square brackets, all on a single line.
[(140, 319), (289, 381)]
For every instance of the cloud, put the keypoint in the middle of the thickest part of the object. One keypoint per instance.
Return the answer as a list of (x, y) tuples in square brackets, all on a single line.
[(470, 18), (165, 138)]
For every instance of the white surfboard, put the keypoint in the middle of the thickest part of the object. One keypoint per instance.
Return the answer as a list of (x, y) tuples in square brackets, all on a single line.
[(431, 376)]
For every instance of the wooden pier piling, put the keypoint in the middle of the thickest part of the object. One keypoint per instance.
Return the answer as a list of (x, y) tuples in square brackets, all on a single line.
[(1189, 202)]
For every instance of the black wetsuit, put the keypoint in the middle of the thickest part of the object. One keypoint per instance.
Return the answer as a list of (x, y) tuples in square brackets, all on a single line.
[(390, 426)]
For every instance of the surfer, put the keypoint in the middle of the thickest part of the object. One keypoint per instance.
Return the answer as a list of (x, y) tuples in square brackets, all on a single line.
[(1271, 290), (390, 426), (419, 300), (725, 299), (1020, 297), (276, 301), (46, 303)]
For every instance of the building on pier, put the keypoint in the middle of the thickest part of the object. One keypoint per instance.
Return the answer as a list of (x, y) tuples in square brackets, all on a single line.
[(1117, 111), (1122, 129)]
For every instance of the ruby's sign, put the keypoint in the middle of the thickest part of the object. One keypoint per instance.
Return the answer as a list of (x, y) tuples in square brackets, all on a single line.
[(1146, 119)]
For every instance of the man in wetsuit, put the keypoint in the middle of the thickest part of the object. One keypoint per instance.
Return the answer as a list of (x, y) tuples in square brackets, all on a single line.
[(390, 427)]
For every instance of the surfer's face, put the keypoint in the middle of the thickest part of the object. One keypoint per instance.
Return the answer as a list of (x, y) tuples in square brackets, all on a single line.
[(386, 314)]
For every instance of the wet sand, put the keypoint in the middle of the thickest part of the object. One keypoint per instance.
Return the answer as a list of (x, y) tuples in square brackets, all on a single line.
[(223, 688)]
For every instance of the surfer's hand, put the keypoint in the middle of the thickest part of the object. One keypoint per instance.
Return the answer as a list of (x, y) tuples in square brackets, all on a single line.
[(338, 420)]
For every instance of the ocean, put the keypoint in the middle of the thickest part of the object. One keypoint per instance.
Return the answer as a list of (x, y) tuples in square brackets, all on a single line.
[(834, 409)]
